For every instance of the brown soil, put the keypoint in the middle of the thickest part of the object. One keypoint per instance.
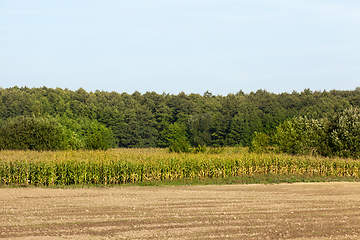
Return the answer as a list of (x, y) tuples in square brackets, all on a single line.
[(282, 211)]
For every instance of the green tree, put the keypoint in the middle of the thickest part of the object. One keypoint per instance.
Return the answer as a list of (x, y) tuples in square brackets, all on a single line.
[(176, 137), (199, 127), (345, 133), (301, 135), (240, 131)]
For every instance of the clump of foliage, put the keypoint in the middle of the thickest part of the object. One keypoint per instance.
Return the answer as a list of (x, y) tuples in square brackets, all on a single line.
[(260, 143), (337, 136), (47, 133), (344, 132), (180, 146), (33, 133), (199, 127), (301, 135), (176, 138), (93, 134)]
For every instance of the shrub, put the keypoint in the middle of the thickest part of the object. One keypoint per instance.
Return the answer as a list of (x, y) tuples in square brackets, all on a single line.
[(32, 133), (88, 134), (179, 146), (260, 143)]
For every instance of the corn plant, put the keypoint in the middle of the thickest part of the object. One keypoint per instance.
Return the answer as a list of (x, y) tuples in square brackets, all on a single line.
[(121, 166)]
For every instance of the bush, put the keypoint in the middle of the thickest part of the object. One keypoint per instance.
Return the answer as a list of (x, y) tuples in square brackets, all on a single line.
[(88, 134), (260, 143), (73, 141), (98, 136), (180, 146), (97, 141), (49, 134), (32, 133)]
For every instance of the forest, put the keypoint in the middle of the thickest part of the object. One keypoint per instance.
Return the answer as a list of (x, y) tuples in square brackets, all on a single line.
[(101, 119)]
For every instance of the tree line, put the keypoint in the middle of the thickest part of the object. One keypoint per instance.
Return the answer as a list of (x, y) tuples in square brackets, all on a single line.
[(163, 120)]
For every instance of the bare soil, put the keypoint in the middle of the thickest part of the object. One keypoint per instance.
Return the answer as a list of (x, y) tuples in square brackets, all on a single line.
[(281, 211)]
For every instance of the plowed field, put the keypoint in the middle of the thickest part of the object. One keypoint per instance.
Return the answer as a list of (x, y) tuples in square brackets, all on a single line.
[(281, 211)]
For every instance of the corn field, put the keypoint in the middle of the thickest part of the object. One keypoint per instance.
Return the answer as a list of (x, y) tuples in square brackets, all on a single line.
[(120, 166)]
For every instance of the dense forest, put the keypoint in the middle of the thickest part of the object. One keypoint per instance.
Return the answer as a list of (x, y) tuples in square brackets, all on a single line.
[(157, 120)]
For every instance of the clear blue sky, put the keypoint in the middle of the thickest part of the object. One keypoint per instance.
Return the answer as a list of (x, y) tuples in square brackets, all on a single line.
[(181, 45)]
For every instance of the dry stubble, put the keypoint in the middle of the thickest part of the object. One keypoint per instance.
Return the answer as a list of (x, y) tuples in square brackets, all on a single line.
[(283, 211)]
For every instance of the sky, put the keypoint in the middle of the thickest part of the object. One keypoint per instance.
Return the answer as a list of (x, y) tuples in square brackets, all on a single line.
[(191, 46)]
